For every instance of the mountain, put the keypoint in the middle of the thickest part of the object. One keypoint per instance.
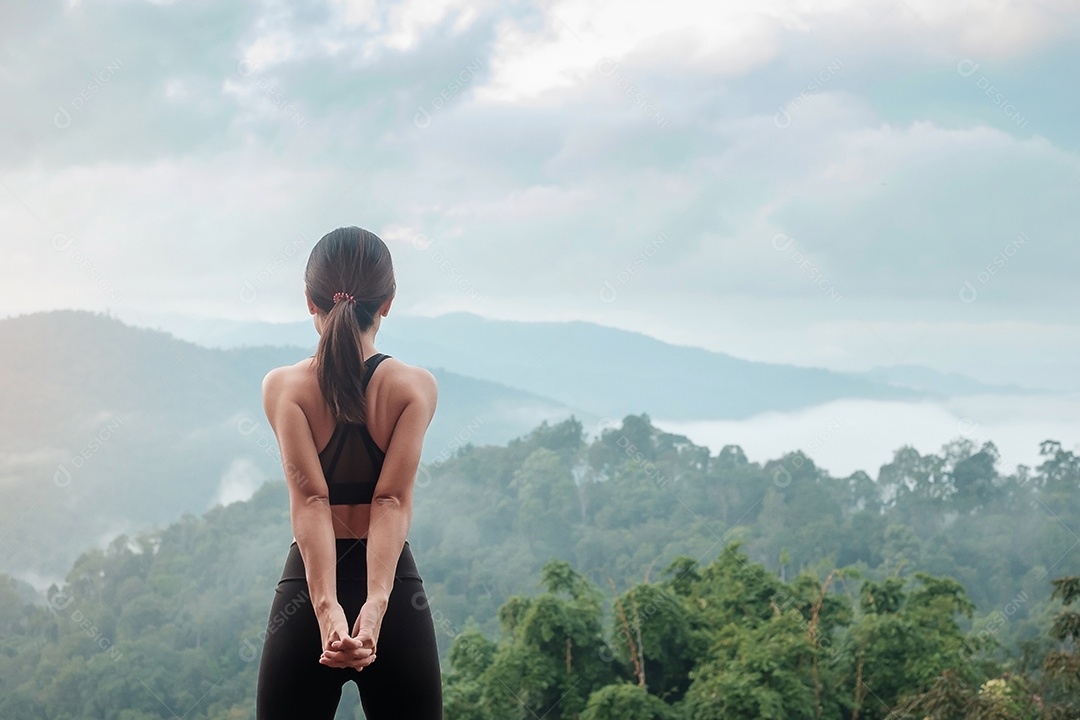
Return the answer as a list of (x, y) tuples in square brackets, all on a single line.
[(604, 370), (939, 384), (108, 428)]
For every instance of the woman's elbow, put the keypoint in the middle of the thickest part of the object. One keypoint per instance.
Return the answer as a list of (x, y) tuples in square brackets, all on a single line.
[(307, 508), (391, 501)]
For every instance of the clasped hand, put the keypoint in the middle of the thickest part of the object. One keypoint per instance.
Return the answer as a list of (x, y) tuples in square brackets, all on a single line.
[(355, 649)]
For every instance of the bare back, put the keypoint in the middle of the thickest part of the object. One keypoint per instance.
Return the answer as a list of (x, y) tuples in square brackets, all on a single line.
[(388, 392)]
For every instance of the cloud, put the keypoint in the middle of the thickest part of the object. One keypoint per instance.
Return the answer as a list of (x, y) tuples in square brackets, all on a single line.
[(912, 211), (239, 483), (539, 62), (549, 153), (847, 436)]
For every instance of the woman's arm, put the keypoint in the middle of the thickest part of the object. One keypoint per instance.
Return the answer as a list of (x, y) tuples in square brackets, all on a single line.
[(309, 502), (391, 506)]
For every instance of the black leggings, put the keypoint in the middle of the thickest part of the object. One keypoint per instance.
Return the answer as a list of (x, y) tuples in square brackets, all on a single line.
[(403, 682)]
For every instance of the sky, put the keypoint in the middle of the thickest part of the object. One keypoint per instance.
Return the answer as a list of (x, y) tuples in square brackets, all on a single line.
[(841, 183)]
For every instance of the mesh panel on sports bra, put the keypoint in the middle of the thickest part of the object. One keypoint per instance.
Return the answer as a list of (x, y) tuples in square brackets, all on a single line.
[(351, 461)]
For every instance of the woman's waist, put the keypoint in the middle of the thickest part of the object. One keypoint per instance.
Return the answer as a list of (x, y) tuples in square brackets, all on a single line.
[(350, 562)]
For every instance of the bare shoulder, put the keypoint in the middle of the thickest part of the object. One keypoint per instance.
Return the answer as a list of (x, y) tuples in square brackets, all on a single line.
[(286, 382), (410, 383)]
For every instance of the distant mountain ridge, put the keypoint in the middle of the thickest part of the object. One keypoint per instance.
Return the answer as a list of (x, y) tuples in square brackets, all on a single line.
[(108, 428), (609, 371), (939, 384)]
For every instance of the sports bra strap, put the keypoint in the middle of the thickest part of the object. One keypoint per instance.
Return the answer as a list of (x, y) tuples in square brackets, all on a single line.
[(377, 358), (329, 471)]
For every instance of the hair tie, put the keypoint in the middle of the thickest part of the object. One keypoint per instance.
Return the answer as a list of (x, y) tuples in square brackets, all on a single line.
[(339, 296)]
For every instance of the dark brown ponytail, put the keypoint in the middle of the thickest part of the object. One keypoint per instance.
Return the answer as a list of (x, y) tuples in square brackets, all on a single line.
[(354, 261)]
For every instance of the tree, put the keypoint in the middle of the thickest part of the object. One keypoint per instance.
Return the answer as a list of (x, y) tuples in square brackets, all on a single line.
[(903, 639), (753, 671), (653, 633), (550, 657), (973, 479), (1062, 665), (546, 500), (625, 701)]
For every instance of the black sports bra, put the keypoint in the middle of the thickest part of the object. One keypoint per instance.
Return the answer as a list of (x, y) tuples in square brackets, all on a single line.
[(351, 460)]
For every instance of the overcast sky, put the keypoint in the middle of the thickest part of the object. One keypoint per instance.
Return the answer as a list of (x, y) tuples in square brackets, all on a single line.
[(843, 183)]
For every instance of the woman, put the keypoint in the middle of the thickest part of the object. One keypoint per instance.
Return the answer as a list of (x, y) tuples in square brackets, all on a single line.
[(350, 604)]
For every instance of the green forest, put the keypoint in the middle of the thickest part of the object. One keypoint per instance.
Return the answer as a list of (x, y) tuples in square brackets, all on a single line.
[(634, 576)]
